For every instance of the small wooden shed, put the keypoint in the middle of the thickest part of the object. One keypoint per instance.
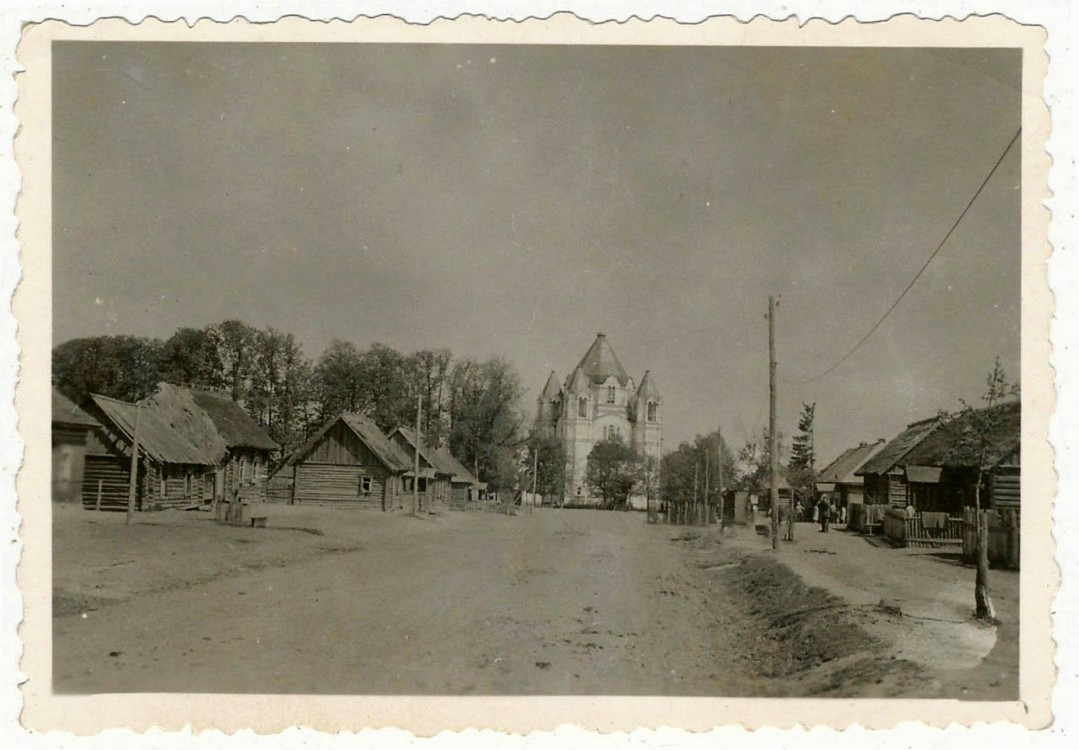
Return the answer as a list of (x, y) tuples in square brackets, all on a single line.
[(70, 427), (464, 487), (349, 461)]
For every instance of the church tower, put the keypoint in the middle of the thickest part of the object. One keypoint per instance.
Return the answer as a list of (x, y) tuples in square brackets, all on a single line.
[(599, 401)]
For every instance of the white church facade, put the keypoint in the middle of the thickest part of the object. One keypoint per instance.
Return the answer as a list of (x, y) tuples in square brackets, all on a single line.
[(599, 400)]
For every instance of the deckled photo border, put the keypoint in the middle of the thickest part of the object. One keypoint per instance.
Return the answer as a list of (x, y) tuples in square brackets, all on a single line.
[(424, 715)]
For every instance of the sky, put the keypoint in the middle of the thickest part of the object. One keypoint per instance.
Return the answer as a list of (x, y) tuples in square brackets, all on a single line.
[(516, 200)]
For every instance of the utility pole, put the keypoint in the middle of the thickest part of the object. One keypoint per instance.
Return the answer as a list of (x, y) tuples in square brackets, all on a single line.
[(719, 476), (706, 507), (696, 499), (416, 477), (133, 483), (535, 470), (773, 459)]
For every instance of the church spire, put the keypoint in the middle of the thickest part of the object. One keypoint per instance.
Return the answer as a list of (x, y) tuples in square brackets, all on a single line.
[(600, 362)]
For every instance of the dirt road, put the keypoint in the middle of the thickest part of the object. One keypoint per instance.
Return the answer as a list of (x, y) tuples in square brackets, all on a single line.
[(542, 603), (551, 602)]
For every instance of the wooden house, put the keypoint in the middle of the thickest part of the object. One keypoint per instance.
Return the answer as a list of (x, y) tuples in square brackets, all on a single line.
[(194, 446), (941, 471), (464, 487), (350, 461), (839, 479), (884, 478), (70, 427), (435, 473)]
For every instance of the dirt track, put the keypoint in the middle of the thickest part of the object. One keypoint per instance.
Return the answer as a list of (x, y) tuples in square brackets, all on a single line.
[(551, 602)]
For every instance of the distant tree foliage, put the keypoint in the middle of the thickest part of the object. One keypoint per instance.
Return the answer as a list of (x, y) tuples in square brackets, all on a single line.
[(471, 407), (613, 472), (802, 470), (691, 464)]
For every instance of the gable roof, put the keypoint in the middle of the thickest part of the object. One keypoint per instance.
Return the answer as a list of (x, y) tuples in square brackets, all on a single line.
[(600, 362), (942, 448), (232, 423), (367, 432), (894, 452), (841, 470), (427, 452), (66, 411), (453, 467), (175, 433)]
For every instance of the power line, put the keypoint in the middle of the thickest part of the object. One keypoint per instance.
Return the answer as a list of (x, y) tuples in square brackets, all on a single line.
[(921, 270)]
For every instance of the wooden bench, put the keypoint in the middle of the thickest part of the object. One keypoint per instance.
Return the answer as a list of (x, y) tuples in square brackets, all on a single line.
[(258, 522)]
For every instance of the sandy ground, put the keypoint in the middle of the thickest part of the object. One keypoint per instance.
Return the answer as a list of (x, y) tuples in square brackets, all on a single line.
[(550, 602)]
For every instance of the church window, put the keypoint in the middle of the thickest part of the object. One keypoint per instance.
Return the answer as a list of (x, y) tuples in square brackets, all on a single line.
[(651, 411), (582, 407), (610, 394)]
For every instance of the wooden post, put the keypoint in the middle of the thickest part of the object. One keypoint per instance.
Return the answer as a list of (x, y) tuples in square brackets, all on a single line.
[(416, 478), (133, 483), (707, 508), (535, 469), (97, 502), (773, 459), (696, 499), (719, 475)]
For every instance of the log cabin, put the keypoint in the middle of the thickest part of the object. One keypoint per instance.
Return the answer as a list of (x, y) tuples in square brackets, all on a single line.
[(839, 479), (435, 473), (194, 447), (350, 461), (942, 470), (70, 427), (464, 487), (885, 481)]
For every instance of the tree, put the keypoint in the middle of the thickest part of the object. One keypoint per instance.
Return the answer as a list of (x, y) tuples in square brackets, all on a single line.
[(650, 485), (122, 367), (692, 467), (338, 380), (754, 463), (189, 357), (802, 474), (974, 430), (613, 472), (548, 455), (485, 421)]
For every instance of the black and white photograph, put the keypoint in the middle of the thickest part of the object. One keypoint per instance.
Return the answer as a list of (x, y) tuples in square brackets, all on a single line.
[(521, 369)]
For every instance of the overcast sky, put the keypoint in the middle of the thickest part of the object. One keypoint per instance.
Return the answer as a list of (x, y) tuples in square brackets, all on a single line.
[(515, 200)]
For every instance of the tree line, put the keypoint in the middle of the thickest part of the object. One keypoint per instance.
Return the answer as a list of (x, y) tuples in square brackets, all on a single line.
[(468, 406)]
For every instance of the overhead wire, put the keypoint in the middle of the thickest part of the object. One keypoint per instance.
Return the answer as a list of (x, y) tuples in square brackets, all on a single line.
[(921, 270)]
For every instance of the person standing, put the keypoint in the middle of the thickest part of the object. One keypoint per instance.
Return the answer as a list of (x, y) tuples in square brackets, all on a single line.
[(824, 512)]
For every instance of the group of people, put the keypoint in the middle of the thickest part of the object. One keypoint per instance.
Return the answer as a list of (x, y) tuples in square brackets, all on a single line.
[(823, 512)]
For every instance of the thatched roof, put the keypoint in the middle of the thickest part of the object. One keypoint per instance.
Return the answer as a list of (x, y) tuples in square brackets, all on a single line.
[(956, 442), (368, 433), (232, 422), (169, 435), (891, 454), (186, 426), (841, 470), (455, 468), (427, 452), (65, 411)]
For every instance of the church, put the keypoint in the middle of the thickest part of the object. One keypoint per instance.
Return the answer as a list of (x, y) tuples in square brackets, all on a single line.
[(599, 400)]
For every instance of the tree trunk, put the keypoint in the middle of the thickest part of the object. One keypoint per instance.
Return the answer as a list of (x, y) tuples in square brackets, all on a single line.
[(983, 603)]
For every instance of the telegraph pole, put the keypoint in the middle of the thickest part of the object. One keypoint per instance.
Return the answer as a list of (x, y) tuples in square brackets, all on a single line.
[(707, 509), (416, 477), (773, 459), (132, 486), (719, 475), (535, 470)]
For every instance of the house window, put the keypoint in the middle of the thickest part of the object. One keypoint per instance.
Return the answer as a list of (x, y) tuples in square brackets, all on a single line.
[(243, 471), (610, 394), (365, 485), (423, 484), (582, 406), (407, 484), (187, 484), (651, 411)]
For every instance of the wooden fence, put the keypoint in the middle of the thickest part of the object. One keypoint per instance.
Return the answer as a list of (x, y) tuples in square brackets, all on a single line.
[(1003, 537), (915, 532)]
